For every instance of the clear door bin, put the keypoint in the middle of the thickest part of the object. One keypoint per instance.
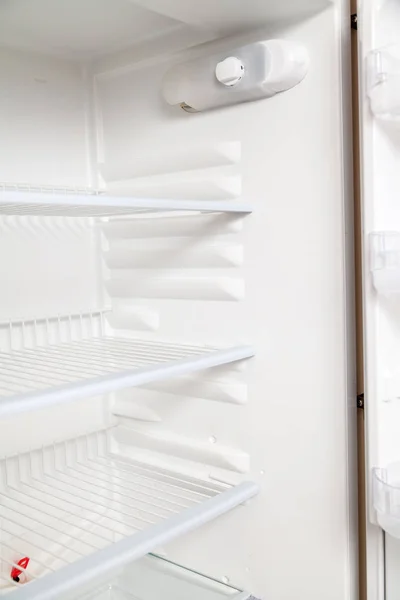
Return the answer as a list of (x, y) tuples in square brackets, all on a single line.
[(386, 498), (385, 261), (383, 82)]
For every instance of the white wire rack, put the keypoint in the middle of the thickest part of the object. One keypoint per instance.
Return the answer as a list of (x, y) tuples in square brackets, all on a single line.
[(79, 512), (32, 378), (48, 202), (52, 329)]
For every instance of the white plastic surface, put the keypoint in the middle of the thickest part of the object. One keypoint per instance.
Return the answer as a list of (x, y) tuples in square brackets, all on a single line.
[(381, 225), (230, 16), (378, 26), (80, 29), (288, 296), (249, 73), (85, 29)]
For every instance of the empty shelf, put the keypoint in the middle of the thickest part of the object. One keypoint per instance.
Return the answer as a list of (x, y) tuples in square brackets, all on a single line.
[(37, 377), (48, 203), (80, 513)]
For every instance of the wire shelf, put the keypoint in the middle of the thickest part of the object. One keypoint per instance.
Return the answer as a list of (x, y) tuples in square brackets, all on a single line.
[(32, 378), (73, 203), (78, 512)]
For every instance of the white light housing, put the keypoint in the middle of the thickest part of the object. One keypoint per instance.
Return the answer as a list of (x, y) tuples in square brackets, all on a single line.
[(252, 72)]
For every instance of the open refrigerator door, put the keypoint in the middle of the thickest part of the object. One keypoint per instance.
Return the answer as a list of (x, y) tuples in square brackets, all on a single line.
[(379, 68)]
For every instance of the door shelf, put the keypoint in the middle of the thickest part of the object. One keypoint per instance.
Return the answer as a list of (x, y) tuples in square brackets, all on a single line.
[(34, 378), (74, 204), (386, 498), (81, 513), (383, 82), (385, 261)]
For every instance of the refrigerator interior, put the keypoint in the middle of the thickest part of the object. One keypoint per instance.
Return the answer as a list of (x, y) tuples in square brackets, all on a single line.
[(152, 577), (380, 150), (175, 312)]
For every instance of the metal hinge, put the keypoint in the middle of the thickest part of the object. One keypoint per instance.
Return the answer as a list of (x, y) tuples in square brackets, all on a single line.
[(360, 401), (354, 21)]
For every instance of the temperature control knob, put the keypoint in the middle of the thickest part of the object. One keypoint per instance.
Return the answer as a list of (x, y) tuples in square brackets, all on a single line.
[(229, 71)]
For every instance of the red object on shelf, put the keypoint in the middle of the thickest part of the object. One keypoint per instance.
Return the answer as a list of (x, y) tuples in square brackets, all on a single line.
[(15, 572)]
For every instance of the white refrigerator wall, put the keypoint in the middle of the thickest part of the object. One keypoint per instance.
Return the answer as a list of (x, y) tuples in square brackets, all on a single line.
[(293, 430), (276, 279), (43, 120)]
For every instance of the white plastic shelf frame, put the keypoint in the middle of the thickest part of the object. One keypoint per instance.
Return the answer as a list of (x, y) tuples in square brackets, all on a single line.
[(33, 378), (46, 202), (80, 513)]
